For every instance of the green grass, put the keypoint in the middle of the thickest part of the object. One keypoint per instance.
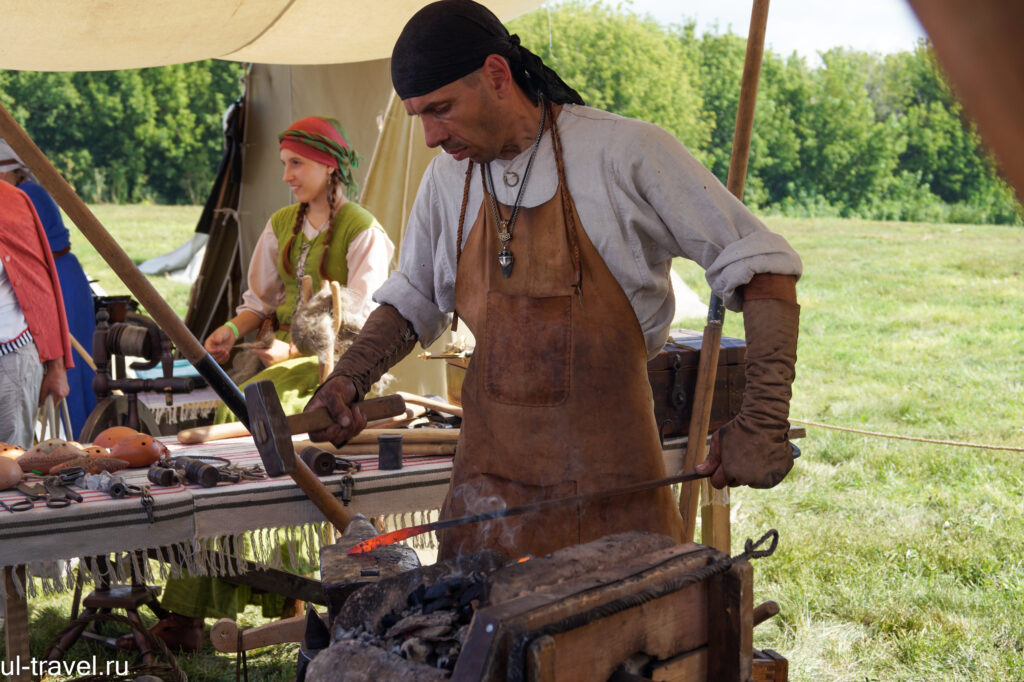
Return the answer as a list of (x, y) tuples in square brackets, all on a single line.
[(143, 231), (49, 614), (898, 560)]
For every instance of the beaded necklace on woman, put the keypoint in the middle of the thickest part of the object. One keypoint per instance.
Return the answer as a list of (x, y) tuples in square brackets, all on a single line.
[(333, 206)]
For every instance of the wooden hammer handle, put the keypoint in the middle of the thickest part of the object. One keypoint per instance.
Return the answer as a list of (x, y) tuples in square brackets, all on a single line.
[(320, 418), (303, 422), (318, 493), (205, 434), (439, 405)]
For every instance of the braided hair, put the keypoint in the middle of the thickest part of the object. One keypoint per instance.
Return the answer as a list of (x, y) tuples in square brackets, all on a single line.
[(334, 182)]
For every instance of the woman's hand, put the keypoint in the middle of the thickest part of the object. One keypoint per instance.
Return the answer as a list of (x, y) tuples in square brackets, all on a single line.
[(220, 342), (277, 351)]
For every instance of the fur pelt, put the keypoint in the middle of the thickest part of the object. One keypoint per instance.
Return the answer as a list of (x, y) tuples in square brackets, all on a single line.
[(332, 314), (325, 324)]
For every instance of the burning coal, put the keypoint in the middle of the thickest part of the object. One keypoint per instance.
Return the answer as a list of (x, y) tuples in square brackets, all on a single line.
[(432, 626)]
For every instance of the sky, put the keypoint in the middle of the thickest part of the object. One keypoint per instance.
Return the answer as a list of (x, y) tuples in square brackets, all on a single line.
[(804, 26)]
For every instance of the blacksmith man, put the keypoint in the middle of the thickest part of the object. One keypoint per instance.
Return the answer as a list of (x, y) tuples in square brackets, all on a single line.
[(548, 228)]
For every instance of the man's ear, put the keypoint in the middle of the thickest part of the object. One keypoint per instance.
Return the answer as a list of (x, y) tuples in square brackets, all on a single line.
[(497, 75)]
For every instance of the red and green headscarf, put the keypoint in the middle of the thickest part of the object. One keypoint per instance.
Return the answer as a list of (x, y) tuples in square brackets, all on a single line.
[(322, 140)]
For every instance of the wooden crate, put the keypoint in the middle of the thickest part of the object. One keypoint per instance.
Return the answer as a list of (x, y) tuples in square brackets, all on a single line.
[(769, 666), (673, 377), (700, 633)]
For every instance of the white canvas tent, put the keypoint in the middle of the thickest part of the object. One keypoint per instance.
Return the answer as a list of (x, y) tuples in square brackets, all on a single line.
[(338, 69), (57, 35)]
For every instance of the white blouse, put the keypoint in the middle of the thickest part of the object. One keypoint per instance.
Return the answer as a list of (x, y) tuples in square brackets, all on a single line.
[(642, 199), (369, 256)]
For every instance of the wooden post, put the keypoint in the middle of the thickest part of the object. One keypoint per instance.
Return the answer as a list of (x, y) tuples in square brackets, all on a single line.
[(16, 624), (748, 99), (700, 417), (715, 520), (714, 516)]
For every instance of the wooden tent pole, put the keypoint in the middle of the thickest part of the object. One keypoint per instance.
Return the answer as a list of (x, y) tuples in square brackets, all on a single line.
[(715, 518), (121, 264), (748, 99)]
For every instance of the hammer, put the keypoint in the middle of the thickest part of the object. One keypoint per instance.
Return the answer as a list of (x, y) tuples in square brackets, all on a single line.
[(270, 431), (303, 422)]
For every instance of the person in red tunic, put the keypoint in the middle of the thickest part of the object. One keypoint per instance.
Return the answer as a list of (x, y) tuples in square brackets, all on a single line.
[(35, 348)]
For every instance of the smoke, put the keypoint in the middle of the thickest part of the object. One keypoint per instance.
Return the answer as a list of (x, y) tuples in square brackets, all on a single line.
[(468, 498)]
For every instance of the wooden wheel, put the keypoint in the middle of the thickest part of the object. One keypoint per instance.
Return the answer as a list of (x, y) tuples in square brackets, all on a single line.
[(113, 411)]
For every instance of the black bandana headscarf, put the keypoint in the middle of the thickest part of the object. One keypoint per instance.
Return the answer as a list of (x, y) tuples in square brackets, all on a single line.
[(449, 39)]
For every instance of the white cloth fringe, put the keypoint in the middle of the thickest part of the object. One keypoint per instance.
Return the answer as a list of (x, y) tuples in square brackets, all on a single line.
[(183, 411), (390, 522), (218, 556)]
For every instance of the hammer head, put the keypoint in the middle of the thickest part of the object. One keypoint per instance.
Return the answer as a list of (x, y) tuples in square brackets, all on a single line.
[(269, 428)]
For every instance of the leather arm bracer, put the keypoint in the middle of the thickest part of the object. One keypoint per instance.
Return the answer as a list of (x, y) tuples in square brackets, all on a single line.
[(385, 338)]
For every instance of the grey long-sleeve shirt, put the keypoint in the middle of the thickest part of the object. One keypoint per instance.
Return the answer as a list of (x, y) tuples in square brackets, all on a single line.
[(642, 199)]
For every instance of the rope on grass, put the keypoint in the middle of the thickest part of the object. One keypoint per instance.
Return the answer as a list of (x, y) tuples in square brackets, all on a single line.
[(896, 436)]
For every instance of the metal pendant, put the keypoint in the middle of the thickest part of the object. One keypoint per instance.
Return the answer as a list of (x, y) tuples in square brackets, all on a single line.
[(505, 261), (511, 178)]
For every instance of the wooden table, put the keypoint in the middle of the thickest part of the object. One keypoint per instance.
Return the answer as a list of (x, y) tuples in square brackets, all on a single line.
[(187, 516), (192, 519)]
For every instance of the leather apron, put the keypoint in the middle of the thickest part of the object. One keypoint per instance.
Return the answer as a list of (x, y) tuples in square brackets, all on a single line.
[(556, 398)]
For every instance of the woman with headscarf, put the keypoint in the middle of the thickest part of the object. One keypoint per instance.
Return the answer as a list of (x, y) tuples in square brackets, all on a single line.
[(325, 235), (78, 303)]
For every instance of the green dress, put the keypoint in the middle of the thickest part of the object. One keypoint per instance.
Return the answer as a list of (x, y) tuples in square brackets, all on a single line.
[(295, 380)]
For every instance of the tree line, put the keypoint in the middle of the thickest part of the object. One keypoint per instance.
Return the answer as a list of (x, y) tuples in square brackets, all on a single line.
[(861, 135), (137, 135)]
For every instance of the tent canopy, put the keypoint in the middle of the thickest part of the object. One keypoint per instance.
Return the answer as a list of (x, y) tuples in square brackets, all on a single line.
[(57, 35)]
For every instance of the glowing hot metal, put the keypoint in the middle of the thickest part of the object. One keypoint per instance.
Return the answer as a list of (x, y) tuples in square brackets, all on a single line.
[(406, 533)]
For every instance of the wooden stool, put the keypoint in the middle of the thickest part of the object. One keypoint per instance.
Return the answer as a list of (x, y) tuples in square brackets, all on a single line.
[(104, 600)]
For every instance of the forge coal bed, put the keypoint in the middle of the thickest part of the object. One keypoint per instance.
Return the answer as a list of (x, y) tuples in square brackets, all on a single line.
[(633, 606)]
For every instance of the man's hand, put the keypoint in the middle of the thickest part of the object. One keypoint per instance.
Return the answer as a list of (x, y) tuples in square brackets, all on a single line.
[(220, 342), (741, 456), (753, 449), (338, 395), (55, 382), (385, 339), (277, 351)]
